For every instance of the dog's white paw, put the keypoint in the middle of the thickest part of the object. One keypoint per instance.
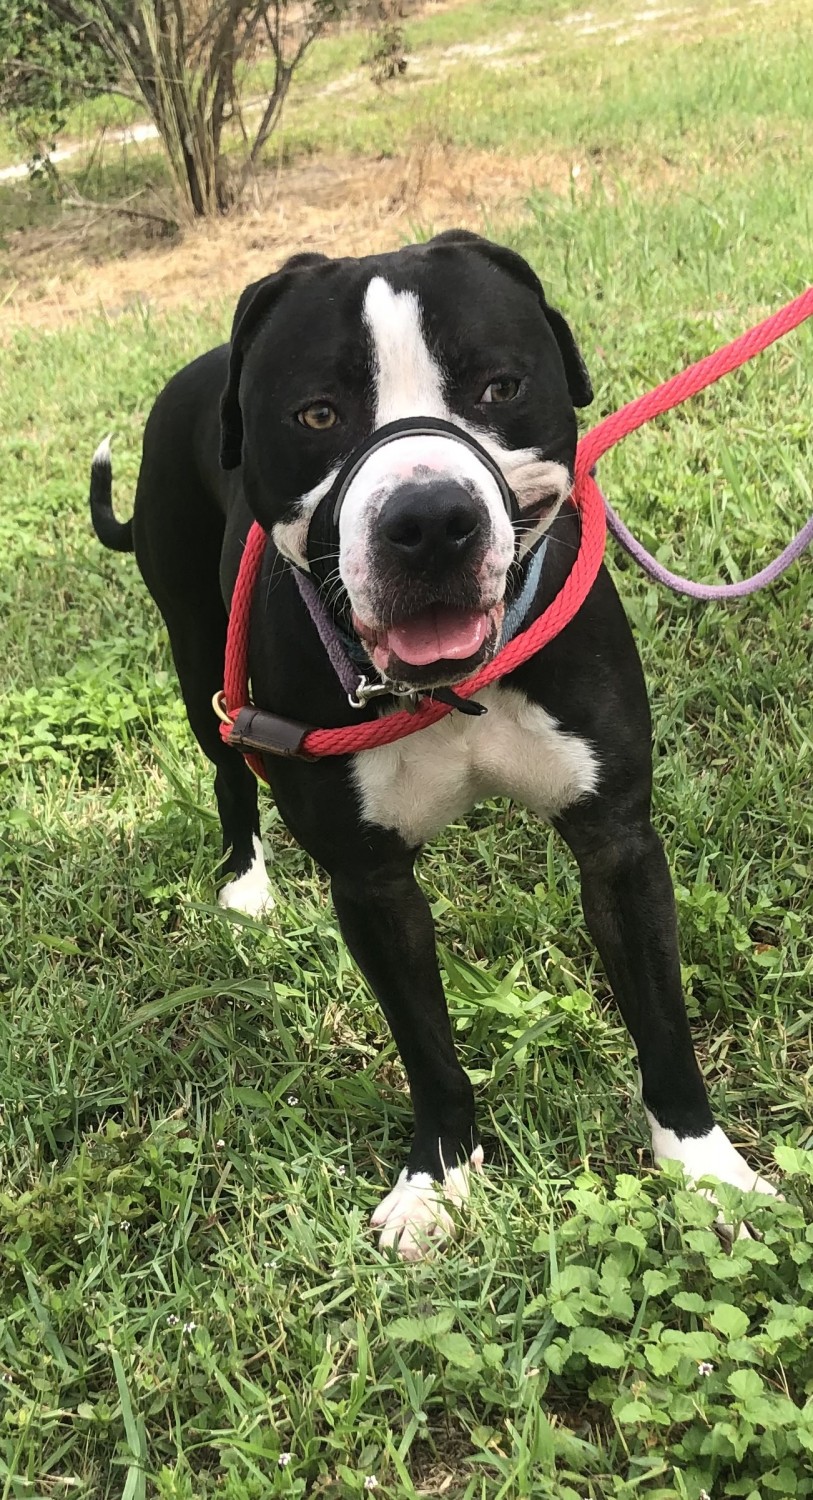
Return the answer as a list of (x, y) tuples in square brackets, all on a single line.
[(251, 891), (710, 1155), (413, 1219)]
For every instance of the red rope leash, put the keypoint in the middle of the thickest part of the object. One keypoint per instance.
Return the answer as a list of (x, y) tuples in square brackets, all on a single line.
[(577, 586), (691, 381), (235, 671)]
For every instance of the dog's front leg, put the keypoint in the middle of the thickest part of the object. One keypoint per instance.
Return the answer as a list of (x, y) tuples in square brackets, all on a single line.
[(629, 908), (387, 925)]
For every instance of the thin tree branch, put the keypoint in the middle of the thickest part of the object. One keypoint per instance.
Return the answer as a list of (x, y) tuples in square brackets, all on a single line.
[(78, 200)]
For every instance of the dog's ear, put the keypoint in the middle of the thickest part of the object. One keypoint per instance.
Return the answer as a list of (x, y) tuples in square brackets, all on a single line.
[(457, 237), (578, 381), (254, 303)]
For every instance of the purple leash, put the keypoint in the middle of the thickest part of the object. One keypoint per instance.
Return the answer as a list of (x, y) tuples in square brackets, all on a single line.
[(679, 585), (347, 674)]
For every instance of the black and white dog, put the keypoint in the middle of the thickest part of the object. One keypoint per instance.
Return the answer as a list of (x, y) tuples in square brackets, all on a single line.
[(423, 567)]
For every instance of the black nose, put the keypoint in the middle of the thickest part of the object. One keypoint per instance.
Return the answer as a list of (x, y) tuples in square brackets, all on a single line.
[(431, 526)]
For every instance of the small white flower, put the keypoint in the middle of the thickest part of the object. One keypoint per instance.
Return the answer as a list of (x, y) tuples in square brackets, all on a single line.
[(340, 1171), (125, 1224), (172, 1319), (8, 1378), (371, 1483), (189, 1327), (284, 1459), (219, 1144), (293, 1099), (704, 1368), (704, 1495)]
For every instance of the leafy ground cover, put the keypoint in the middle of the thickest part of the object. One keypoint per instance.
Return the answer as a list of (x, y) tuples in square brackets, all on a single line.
[(198, 1114)]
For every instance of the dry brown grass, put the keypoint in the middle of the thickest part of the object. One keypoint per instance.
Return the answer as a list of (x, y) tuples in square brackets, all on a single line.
[(352, 207)]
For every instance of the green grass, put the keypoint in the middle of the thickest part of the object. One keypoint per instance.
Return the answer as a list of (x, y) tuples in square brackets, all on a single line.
[(689, 95), (333, 56), (198, 1115), (696, 88)]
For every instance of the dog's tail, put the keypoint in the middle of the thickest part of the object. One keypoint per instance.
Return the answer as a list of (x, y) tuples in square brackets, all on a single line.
[(118, 535)]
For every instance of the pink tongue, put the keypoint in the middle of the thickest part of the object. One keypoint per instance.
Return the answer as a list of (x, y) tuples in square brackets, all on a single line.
[(440, 633)]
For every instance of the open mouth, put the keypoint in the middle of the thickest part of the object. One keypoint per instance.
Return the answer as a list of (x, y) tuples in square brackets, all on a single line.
[(440, 636)]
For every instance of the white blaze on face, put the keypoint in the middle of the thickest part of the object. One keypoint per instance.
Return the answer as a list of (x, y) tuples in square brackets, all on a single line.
[(408, 379), (409, 382)]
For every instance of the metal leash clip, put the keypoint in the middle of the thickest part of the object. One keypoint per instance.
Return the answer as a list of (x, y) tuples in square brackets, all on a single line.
[(367, 690)]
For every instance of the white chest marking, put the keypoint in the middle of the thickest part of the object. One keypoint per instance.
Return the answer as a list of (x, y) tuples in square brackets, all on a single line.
[(516, 750)]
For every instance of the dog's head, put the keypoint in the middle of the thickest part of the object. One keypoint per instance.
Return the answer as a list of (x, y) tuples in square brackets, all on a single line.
[(414, 537)]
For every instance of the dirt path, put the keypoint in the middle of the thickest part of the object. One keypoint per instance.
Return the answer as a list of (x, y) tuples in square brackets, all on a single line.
[(133, 135)]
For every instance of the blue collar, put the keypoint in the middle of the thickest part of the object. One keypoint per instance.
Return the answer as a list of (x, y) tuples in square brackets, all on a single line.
[(513, 620), (517, 610)]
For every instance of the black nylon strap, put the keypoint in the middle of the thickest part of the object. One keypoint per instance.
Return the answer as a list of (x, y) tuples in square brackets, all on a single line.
[(418, 427)]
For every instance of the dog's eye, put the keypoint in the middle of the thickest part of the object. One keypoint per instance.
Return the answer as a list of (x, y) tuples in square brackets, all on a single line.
[(504, 389), (318, 417)]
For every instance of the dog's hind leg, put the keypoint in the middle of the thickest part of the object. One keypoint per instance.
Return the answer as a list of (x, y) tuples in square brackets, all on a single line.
[(179, 524), (182, 573), (198, 643)]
